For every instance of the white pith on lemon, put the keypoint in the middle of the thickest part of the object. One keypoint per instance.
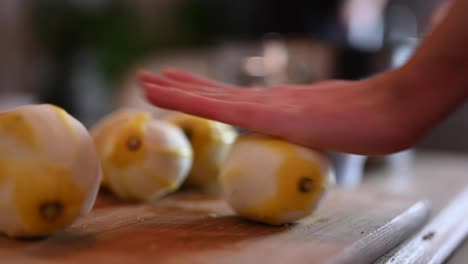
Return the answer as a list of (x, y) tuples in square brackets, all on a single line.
[(211, 142), (142, 158), (49, 170), (273, 181)]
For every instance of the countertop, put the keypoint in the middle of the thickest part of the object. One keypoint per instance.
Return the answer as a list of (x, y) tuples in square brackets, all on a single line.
[(441, 178)]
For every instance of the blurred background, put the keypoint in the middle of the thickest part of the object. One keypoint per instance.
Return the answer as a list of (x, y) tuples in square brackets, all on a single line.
[(82, 54)]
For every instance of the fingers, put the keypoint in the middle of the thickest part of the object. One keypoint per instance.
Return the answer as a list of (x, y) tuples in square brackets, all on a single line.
[(258, 110), (181, 76), (253, 116), (185, 77), (163, 81), (227, 94)]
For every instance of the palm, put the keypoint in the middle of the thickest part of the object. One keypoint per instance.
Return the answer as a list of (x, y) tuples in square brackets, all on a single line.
[(333, 115)]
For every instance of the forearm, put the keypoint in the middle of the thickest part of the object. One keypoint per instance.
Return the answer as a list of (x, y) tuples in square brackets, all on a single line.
[(447, 42), (424, 95), (435, 80)]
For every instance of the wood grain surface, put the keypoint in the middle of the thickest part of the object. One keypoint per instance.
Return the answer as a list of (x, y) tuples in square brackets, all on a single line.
[(440, 177), (348, 227), (436, 241)]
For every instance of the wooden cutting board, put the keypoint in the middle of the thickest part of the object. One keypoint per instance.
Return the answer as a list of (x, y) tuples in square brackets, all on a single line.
[(348, 227)]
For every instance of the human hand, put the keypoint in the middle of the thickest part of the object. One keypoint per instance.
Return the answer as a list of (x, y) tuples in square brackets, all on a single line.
[(348, 116), (380, 115)]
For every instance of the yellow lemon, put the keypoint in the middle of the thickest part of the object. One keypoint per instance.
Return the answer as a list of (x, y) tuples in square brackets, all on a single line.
[(103, 129), (273, 181), (49, 170), (210, 141), (142, 158)]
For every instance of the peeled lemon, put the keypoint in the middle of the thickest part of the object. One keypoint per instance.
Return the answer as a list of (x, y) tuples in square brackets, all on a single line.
[(211, 142), (143, 159), (272, 181), (101, 131), (49, 170)]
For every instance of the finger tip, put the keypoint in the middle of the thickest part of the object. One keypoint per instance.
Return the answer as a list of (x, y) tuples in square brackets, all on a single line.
[(171, 72), (143, 75), (151, 95), (147, 87), (150, 85), (143, 72)]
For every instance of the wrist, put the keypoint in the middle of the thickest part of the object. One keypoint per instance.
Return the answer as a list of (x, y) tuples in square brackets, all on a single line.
[(420, 96), (434, 88), (395, 104)]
